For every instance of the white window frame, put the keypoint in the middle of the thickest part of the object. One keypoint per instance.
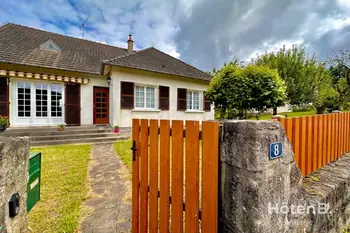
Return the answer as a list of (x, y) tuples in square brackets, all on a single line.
[(192, 100), (145, 97)]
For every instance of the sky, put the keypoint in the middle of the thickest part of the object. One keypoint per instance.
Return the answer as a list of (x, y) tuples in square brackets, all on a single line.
[(203, 33)]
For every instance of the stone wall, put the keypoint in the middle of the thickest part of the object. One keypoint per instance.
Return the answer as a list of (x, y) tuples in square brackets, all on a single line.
[(14, 159), (254, 189)]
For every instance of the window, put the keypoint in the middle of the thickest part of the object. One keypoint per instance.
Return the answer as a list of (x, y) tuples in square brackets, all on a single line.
[(41, 100), (23, 99), (56, 98), (192, 100), (145, 97)]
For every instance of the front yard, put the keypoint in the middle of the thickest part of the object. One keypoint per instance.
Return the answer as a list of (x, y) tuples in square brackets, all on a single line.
[(63, 188)]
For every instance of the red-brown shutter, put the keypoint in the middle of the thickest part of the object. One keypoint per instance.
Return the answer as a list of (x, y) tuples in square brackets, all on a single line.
[(163, 98), (127, 95), (4, 98), (206, 104), (181, 99)]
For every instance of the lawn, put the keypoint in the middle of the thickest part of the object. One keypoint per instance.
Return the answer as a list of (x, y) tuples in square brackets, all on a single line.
[(289, 114), (63, 188), (125, 153)]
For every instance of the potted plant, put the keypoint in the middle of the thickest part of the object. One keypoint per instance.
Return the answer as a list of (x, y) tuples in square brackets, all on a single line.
[(3, 123), (61, 127), (116, 129)]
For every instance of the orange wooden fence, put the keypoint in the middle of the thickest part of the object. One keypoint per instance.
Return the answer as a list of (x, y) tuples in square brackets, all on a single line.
[(318, 140), (166, 168)]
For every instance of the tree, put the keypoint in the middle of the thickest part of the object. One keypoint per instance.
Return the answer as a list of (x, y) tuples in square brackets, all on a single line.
[(241, 89), (307, 80), (291, 64)]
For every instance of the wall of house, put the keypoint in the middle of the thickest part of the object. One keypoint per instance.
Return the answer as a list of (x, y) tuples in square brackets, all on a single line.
[(123, 117)]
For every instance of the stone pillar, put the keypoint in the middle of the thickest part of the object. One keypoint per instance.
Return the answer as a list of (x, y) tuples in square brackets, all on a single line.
[(250, 181), (14, 159)]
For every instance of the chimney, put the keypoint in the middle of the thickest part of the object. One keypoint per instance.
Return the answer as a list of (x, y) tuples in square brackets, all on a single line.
[(130, 44)]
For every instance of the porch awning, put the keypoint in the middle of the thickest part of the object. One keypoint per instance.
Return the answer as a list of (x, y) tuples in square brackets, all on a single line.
[(50, 77)]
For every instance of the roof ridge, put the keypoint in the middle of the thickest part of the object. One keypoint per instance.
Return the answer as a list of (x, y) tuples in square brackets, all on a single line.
[(126, 55), (4, 25), (181, 61), (72, 37)]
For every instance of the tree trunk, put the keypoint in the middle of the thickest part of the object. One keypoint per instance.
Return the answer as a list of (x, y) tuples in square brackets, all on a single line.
[(274, 111)]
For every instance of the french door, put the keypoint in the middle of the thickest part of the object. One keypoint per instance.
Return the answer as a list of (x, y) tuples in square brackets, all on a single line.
[(38, 103)]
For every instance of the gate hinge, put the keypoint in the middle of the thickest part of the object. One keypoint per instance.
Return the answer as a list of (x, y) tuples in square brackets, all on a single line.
[(134, 149)]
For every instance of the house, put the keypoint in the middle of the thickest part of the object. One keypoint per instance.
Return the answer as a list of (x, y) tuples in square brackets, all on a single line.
[(48, 79)]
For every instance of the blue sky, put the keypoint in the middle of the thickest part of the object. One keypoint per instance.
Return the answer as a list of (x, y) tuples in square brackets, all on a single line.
[(201, 32)]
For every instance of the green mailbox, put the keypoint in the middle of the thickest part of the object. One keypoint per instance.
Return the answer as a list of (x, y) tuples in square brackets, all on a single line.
[(33, 186)]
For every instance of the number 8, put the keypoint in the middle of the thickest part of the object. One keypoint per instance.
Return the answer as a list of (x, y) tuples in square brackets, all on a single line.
[(276, 152)]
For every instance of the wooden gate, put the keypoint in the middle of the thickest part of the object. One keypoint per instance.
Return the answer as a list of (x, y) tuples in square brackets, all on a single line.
[(174, 176)]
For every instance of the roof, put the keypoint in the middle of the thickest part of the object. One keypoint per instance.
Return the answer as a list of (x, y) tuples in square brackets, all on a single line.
[(21, 45), (27, 46), (152, 59)]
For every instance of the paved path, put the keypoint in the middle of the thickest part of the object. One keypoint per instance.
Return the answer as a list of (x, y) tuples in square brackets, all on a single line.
[(111, 195)]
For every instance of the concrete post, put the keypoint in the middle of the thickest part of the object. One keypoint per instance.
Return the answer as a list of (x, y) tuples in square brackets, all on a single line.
[(251, 182), (14, 159)]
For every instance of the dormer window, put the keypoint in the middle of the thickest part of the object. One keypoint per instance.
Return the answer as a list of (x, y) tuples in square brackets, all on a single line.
[(50, 45)]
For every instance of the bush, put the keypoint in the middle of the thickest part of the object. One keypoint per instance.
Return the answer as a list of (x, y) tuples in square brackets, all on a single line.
[(303, 108)]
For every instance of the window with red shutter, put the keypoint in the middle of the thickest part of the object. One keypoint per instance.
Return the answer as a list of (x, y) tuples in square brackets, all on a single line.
[(181, 99), (164, 98), (127, 95), (206, 104)]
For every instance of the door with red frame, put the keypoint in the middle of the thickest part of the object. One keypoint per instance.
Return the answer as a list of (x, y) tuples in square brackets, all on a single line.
[(101, 105)]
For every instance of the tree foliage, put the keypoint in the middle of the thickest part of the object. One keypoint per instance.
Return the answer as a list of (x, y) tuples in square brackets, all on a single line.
[(307, 80), (240, 89)]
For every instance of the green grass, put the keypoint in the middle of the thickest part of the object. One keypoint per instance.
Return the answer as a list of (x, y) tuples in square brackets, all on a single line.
[(289, 114), (125, 153), (63, 188)]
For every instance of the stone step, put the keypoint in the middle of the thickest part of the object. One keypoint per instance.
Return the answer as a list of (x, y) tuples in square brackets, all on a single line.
[(53, 128), (79, 141), (74, 136)]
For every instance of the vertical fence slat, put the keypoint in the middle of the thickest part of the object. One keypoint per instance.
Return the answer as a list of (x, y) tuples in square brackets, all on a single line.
[(289, 129), (341, 125), (192, 176), (332, 130), (296, 134), (337, 135), (164, 175), (315, 157), (346, 128), (303, 145), (177, 177), (210, 158), (327, 136), (343, 134), (135, 177), (309, 145), (324, 140), (144, 177), (320, 142), (153, 189), (334, 136)]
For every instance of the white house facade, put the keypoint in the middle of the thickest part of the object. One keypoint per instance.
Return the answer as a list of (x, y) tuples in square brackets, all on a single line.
[(60, 79)]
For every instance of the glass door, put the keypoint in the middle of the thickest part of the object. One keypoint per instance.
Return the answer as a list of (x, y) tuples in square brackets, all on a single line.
[(38, 104)]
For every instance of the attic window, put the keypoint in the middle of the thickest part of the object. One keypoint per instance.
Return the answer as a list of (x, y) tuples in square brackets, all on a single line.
[(50, 45)]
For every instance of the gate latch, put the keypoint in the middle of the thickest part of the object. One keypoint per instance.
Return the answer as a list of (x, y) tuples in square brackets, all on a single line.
[(134, 149)]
